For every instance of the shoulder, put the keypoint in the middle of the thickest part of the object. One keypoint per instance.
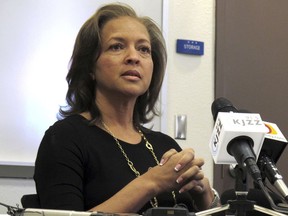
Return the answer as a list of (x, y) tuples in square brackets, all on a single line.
[(69, 125), (66, 136), (72, 130), (72, 121)]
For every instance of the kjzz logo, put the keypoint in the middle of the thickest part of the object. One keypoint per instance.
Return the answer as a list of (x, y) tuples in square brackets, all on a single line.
[(247, 122)]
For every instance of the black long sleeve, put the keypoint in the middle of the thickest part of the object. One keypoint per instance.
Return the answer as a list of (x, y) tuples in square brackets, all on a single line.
[(79, 166)]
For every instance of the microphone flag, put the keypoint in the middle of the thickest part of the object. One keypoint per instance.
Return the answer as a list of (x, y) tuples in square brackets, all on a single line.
[(230, 125)]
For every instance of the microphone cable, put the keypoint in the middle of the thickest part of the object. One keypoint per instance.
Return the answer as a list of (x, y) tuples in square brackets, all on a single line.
[(270, 200), (275, 193)]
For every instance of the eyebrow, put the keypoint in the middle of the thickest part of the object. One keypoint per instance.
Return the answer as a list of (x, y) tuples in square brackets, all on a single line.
[(121, 39)]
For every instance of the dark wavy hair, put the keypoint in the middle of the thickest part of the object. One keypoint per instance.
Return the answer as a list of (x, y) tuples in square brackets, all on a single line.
[(81, 96)]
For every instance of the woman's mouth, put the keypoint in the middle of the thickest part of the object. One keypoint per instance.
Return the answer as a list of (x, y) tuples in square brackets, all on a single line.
[(132, 73)]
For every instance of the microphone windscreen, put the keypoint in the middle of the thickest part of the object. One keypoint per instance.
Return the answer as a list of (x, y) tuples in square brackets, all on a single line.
[(222, 105)]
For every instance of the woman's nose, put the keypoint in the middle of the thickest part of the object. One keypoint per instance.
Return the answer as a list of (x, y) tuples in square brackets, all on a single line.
[(132, 56)]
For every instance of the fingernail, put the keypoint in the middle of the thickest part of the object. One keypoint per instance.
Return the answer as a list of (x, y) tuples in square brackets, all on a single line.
[(161, 162), (179, 180), (177, 167), (180, 191), (199, 188)]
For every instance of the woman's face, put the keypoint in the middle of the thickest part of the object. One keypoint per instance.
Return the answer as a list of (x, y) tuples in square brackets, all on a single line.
[(125, 64)]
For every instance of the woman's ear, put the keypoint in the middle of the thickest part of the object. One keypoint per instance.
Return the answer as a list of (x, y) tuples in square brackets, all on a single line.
[(92, 75)]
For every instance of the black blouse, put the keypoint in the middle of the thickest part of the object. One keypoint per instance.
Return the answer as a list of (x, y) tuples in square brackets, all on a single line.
[(79, 166)]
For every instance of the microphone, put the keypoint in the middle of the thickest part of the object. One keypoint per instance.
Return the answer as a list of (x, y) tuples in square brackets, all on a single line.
[(273, 146), (236, 137), (222, 105), (274, 142)]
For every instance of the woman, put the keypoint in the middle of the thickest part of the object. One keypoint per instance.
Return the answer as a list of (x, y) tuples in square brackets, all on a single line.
[(99, 157)]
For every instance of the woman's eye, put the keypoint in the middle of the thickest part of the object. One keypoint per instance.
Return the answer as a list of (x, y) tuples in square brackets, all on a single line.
[(116, 47), (145, 49)]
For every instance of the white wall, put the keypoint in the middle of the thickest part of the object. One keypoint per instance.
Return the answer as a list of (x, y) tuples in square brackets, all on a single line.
[(190, 79), (37, 39), (189, 86)]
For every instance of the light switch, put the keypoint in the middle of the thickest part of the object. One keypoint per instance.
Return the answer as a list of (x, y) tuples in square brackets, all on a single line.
[(180, 127)]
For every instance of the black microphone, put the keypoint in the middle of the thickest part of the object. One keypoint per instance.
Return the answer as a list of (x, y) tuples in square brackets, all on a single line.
[(273, 146), (222, 105), (268, 167), (239, 134)]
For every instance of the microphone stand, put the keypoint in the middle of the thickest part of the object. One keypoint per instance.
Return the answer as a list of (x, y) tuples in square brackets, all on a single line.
[(227, 207), (241, 204), (13, 211)]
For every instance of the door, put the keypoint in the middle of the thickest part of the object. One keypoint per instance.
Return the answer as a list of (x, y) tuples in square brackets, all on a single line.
[(252, 66)]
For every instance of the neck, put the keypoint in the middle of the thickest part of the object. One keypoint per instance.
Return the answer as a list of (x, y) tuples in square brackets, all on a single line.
[(129, 135), (116, 111)]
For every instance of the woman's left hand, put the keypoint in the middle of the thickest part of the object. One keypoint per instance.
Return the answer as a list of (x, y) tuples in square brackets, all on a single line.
[(203, 194), (189, 180), (188, 167)]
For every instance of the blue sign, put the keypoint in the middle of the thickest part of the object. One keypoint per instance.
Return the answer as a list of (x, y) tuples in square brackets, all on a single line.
[(190, 47)]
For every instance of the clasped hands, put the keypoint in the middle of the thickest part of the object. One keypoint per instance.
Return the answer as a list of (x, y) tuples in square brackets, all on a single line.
[(180, 171)]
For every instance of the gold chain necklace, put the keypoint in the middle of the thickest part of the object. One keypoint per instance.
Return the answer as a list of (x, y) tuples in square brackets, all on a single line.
[(154, 202)]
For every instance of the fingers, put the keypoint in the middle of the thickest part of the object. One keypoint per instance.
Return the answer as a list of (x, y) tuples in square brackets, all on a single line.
[(187, 156), (166, 156), (195, 185), (187, 170), (188, 161), (190, 172), (194, 173)]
